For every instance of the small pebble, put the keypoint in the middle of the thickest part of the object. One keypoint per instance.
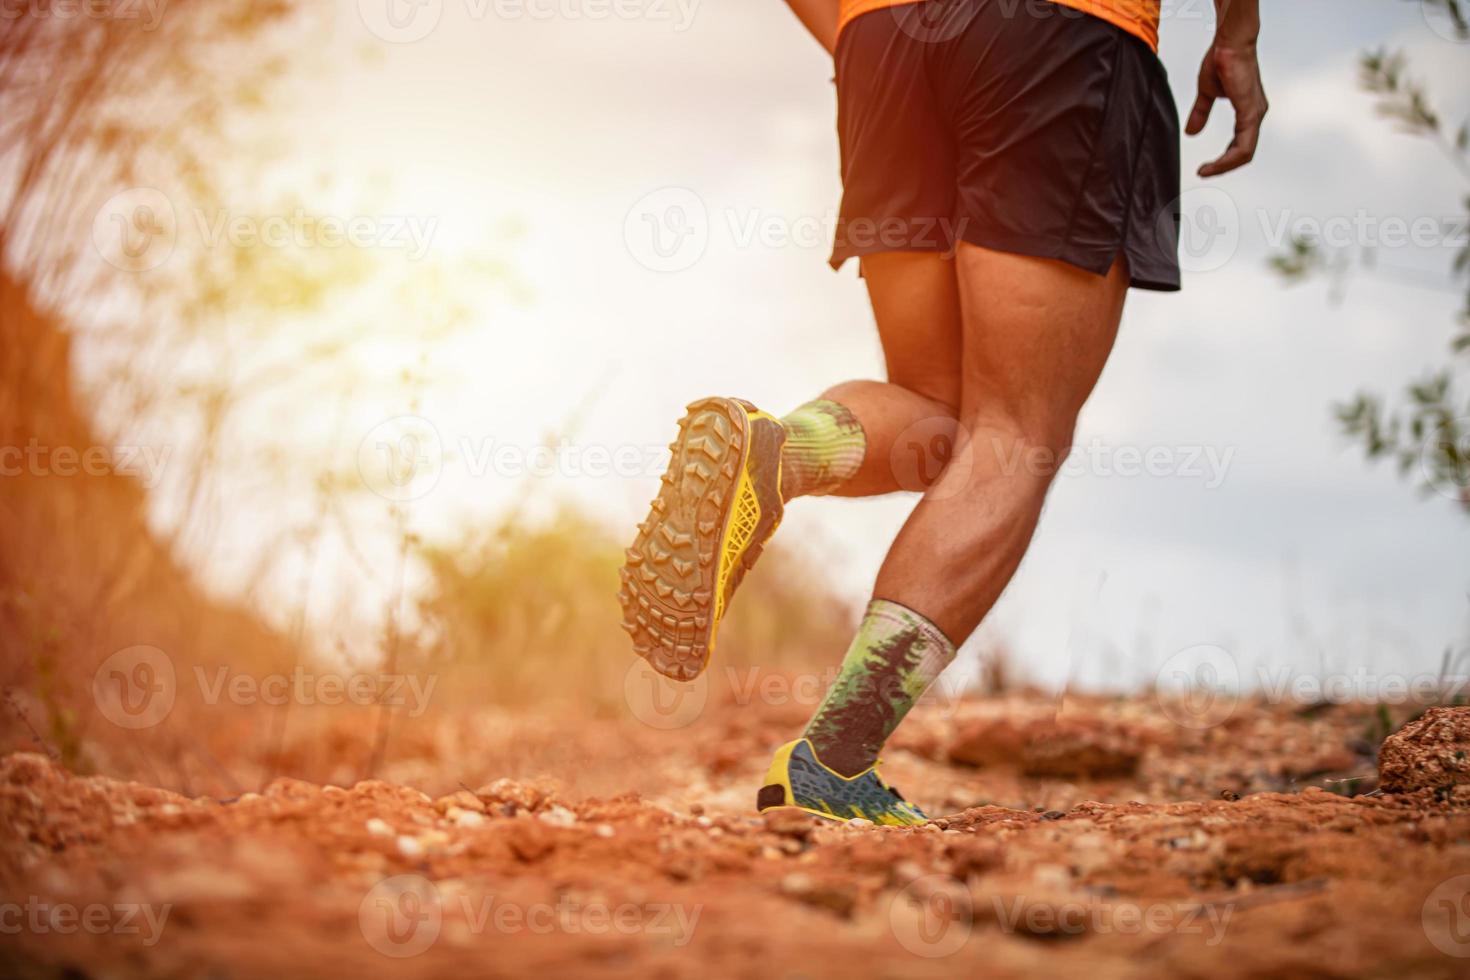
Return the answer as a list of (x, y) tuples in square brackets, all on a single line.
[(379, 827), (559, 816), (409, 847), (468, 818)]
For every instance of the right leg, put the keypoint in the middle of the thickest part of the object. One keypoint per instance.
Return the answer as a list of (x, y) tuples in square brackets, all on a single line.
[(907, 424)]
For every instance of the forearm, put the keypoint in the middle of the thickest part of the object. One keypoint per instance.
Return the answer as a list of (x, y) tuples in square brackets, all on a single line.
[(819, 17), (1238, 21)]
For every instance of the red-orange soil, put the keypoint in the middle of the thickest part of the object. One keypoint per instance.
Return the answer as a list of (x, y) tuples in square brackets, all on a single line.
[(1109, 843)]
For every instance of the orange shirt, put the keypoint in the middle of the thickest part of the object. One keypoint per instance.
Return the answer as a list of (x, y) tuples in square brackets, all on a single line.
[(1138, 17)]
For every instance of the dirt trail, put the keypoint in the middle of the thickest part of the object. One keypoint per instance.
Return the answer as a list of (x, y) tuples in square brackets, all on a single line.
[(520, 876)]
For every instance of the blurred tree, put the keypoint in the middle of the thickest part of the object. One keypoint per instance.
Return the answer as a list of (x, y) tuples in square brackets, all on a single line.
[(1428, 432)]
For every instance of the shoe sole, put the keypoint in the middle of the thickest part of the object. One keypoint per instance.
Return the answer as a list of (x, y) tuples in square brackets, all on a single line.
[(670, 584)]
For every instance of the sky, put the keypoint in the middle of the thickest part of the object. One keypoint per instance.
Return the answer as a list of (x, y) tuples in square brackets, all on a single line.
[(564, 133)]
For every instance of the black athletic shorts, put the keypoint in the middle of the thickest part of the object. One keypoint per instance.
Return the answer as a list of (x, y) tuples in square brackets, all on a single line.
[(982, 121)]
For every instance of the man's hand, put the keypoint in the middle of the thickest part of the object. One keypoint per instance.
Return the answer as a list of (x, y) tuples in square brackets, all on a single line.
[(1231, 71)]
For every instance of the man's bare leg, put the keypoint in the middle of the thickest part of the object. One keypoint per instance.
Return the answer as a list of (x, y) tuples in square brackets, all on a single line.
[(1036, 336), (907, 423)]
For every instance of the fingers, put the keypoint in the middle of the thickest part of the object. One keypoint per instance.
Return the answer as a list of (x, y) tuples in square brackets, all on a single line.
[(1242, 149), (1199, 115)]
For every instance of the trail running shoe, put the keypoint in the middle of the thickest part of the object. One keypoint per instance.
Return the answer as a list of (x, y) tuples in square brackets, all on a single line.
[(719, 504), (797, 778)]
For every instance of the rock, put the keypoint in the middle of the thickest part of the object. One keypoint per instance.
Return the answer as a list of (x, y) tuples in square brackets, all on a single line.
[(378, 827), (558, 816), (465, 818), (508, 791), (460, 800), (789, 823), (833, 894), (1063, 747), (1427, 753)]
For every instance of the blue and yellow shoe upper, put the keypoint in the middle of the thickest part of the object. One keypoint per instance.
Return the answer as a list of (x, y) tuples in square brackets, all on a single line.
[(797, 778)]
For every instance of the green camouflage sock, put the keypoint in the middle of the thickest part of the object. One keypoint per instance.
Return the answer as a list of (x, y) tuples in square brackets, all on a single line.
[(895, 657), (825, 445)]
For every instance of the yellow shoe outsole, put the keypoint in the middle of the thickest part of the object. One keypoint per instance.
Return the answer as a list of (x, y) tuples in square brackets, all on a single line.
[(718, 505)]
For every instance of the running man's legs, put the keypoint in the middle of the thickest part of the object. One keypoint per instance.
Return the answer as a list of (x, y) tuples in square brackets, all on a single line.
[(916, 301)]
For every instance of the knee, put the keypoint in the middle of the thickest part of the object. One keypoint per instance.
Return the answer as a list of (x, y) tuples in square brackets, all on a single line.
[(940, 388), (1010, 443)]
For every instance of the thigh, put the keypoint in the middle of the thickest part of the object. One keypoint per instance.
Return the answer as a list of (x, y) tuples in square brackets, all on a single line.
[(1037, 333), (916, 301)]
